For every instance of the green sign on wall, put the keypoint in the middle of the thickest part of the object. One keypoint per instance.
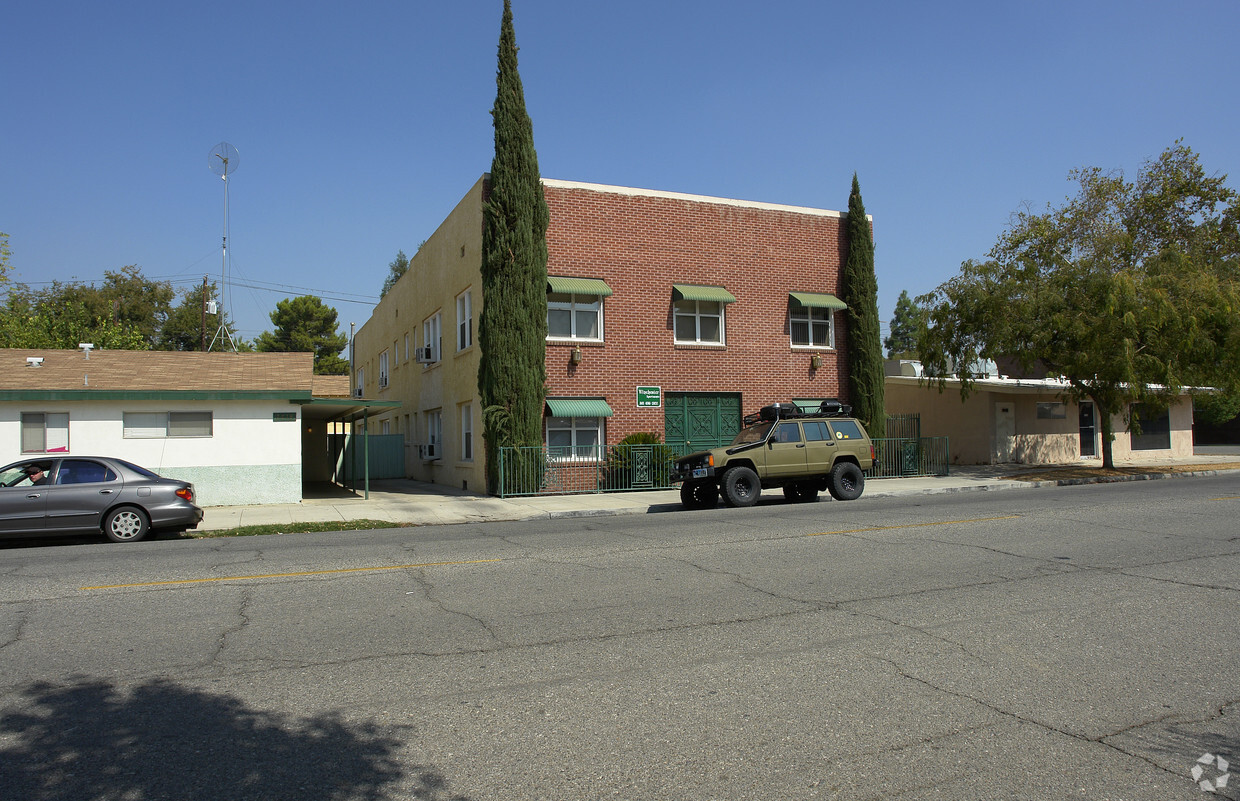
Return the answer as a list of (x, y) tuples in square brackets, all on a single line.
[(649, 397)]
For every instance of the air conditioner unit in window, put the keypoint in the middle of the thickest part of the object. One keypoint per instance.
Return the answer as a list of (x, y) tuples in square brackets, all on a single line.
[(424, 355), (428, 453)]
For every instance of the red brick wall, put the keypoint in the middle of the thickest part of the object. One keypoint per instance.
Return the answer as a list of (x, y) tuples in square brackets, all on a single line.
[(641, 245)]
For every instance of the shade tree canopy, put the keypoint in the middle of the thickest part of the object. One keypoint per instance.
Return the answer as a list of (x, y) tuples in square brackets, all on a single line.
[(1129, 292)]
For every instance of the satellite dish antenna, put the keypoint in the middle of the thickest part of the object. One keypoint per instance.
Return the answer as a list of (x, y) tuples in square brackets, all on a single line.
[(223, 160)]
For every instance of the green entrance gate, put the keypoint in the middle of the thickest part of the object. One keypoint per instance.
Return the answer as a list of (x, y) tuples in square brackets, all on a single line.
[(693, 421)]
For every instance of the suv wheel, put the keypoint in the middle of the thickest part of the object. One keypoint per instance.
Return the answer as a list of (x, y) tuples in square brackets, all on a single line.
[(741, 487), (801, 492), (847, 481), (699, 495)]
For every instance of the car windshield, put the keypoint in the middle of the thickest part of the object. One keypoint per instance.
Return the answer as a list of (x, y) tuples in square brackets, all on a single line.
[(755, 433), (142, 471)]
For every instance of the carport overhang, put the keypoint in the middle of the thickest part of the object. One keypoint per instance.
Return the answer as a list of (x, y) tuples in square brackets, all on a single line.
[(346, 410)]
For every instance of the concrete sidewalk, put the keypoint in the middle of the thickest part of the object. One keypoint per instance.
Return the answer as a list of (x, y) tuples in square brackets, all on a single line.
[(407, 502)]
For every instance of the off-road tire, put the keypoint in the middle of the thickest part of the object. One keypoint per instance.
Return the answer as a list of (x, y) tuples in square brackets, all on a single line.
[(801, 492), (741, 487), (699, 495), (847, 481)]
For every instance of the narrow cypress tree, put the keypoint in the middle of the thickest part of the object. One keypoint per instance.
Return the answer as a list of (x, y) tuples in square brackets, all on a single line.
[(865, 353), (512, 328)]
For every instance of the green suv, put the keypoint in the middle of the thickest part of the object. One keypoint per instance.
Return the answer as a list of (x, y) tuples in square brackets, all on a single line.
[(781, 446)]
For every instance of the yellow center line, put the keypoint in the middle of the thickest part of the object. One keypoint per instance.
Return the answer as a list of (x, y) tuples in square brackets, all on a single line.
[(285, 575), (914, 525), (1226, 498)]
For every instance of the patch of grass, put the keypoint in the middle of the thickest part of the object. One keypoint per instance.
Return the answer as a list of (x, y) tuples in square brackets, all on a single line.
[(295, 528)]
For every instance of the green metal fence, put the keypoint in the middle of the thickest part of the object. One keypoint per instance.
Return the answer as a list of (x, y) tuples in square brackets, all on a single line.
[(625, 468), (902, 458), (568, 470)]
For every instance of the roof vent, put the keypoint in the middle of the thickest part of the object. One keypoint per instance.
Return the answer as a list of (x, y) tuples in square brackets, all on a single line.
[(86, 348), (34, 361)]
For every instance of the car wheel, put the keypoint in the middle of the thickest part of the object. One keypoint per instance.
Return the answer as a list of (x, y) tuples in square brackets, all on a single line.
[(699, 495), (803, 492), (741, 487), (847, 481), (126, 524)]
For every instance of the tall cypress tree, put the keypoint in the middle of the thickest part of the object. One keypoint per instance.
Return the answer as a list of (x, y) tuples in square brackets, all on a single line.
[(512, 328), (865, 353)]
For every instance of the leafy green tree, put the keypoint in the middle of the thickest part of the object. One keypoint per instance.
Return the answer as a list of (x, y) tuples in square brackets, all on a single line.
[(512, 327), (901, 343), (1128, 292), (864, 347), (5, 254), (129, 297), (186, 325), (46, 319), (303, 324), (396, 269)]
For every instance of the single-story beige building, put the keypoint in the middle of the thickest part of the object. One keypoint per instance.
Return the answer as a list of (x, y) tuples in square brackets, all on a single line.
[(1029, 421)]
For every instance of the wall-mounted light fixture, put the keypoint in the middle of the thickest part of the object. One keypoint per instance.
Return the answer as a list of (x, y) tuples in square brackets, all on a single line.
[(575, 358), (815, 361)]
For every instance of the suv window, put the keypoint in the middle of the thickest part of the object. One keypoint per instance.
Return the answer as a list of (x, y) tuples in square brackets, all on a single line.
[(846, 429), (788, 432), (816, 431)]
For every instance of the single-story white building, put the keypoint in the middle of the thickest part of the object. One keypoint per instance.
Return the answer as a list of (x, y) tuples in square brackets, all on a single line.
[(245, 428)]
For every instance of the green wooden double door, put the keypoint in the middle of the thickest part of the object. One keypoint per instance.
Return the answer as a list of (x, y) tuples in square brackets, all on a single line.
[(694, 421)]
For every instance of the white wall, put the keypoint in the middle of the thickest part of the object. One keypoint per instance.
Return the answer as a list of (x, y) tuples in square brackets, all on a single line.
[(248, 459)]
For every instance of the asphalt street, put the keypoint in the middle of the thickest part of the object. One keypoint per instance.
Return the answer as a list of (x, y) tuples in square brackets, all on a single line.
[(1076, 642)]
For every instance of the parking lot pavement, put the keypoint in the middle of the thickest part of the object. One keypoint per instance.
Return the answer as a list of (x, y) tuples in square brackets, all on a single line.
[(407, 502)]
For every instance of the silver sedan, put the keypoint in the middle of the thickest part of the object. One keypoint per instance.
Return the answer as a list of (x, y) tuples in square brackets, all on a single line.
[(92, 494)]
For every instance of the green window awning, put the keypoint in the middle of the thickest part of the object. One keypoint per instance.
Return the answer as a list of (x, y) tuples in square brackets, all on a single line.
[(711, 294), (579, 407), (814, 300), (578, 286)]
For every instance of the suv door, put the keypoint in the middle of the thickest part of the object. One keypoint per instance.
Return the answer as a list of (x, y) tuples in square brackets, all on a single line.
[(785, 450), (819, 447)]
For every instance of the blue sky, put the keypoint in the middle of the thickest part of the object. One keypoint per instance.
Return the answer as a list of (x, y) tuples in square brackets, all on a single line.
[(361, 125)]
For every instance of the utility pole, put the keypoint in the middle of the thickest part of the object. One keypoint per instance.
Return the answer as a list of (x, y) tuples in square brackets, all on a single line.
[(204, 314)]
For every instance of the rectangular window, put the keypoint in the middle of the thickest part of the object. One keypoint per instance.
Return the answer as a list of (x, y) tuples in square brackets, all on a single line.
[(574, 437), (434, 434), (383, 370), (571, 316), (698, 322), (432, 335), (1052, 411), (45, 432), (159, 425), (361, 383), (385, 427), (812, 327), (1155, 428), (467, 433), (464, 321), (406, 347)]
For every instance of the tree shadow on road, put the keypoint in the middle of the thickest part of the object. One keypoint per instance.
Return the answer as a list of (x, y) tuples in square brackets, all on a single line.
[(162, 741)]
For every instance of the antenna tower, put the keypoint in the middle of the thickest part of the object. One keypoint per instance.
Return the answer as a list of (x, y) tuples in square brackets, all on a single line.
[(223, 160)]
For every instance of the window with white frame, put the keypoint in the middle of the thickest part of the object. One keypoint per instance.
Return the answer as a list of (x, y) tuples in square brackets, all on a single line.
[(811, 327), (432, 334), (385, 427), (406, 346), (573, 316), (434, 434), (361, 382), (163, 425), (383, 370), (464, 320), (574, 437), (698, 322), (45, 432), (467, 432)]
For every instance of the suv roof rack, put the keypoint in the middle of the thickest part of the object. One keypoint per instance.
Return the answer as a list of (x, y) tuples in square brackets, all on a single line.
[(789, 411)]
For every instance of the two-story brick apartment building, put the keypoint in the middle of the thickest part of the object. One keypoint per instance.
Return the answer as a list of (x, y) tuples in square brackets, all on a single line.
[(667, 313)]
